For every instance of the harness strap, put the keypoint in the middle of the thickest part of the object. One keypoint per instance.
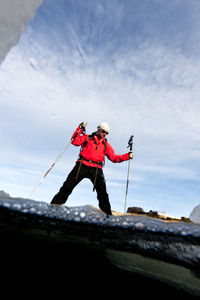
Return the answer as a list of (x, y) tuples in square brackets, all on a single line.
[(95, 178), (91, 161), (78, 171)]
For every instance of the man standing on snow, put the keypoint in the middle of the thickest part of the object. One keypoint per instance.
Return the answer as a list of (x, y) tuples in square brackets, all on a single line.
[(94, 147)]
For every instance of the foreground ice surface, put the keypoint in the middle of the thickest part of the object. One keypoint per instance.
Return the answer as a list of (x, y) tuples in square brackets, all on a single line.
[(134, 243)]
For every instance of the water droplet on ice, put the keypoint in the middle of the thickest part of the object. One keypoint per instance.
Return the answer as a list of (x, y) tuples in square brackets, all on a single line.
[(17, 206), (6, 204), (82, 214), (139, 225)]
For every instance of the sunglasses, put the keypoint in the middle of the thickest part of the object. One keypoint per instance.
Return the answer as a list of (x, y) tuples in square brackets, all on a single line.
[(103, 131)]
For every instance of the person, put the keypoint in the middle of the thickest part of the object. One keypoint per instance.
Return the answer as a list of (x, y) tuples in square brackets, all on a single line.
[(90, 164)]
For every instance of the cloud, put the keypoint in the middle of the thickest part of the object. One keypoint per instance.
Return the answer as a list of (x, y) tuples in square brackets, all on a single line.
[(159, 96), (159, 111), (123, 72)]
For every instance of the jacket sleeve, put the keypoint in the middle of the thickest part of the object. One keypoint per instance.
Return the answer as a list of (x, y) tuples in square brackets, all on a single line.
[(78, 138), (114, 157)]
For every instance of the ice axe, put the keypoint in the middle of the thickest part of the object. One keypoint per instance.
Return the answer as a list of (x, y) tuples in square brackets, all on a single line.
[(130, 145)]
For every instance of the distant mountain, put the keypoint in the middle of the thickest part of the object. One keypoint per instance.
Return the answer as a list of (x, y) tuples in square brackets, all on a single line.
[(4, 195)]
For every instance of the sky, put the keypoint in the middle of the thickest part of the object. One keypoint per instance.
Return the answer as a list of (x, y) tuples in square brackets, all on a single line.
[(134, 64)]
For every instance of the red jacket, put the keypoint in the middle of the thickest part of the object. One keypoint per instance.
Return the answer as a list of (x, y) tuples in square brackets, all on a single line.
[(94, 149)]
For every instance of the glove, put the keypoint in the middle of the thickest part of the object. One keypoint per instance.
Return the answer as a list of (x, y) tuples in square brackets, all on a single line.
[(83, 124), (131, 155)]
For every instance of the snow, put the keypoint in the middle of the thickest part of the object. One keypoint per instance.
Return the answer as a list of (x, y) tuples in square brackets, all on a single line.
[(195, 214), (14, 18)]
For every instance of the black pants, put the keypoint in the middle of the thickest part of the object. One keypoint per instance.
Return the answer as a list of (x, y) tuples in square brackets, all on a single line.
[(83, 171)]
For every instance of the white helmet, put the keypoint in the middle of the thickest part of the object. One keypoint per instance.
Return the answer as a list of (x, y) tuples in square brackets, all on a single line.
[(104, 126)]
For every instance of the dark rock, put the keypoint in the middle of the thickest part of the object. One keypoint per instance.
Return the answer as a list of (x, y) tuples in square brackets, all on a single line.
[(153, 213), (133, 210)]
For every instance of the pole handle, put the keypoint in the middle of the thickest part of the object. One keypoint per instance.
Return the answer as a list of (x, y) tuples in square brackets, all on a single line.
[(130, 143)]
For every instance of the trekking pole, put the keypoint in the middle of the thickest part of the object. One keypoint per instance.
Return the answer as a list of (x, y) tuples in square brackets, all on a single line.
[(57, 159), (130, 145)]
